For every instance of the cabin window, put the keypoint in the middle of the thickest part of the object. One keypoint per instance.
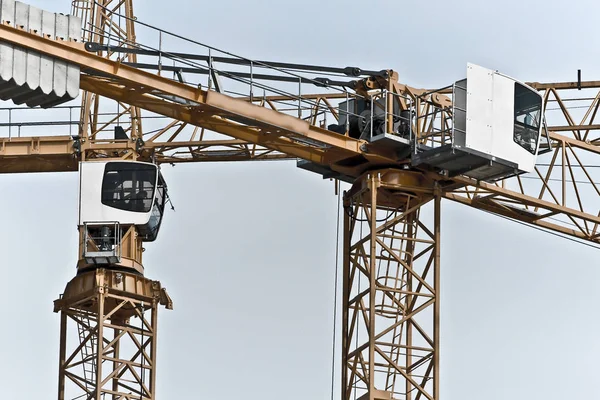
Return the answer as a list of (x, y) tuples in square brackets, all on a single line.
[(129, 186), (158, 209), (528, 114)]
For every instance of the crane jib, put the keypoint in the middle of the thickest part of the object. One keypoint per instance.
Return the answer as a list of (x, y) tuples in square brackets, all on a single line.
[(121, 82)]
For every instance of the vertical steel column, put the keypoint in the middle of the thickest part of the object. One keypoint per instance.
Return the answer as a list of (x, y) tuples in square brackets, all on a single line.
[(154, 323), (100, 345), (390, 316), (116, 355), (436, 315), (409, 299), (348, 227), (62, 356), (371, 213)]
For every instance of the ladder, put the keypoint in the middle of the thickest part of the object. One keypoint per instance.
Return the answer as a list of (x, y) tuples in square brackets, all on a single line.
[(88, 352)]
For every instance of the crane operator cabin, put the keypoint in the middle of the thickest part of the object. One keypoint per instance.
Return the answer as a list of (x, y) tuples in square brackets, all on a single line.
[(497, 128), (115, 196)]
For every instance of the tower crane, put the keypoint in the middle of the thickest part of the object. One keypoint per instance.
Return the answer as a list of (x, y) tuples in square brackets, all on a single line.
[(483, 141)]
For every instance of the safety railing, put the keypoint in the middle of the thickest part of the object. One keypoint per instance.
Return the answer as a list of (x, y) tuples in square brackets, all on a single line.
[(398, 119), (102, 242), (433, 122), (21, 121), (289, 88)]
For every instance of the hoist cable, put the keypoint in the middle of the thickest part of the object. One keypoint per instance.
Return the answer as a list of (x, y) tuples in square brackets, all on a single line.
[(335, 286)]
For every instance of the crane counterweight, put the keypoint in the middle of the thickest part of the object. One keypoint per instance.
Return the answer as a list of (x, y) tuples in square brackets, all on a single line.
[(29, 77)]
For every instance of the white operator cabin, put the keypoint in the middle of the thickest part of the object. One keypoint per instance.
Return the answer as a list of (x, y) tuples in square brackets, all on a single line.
[(115, 195), (496, 131)]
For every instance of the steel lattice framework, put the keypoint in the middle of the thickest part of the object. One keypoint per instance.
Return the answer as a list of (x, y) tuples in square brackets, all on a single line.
[(391, 255), (115, 317), (390, 335)]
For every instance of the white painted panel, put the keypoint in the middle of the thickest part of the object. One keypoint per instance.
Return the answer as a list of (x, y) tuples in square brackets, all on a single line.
[(59, 83), (503, 144), (479, 108), (490, 117), (503, 121), (72, 76), (91, 208), (20, 57), (7, 14), (33, 58), (47, 70)]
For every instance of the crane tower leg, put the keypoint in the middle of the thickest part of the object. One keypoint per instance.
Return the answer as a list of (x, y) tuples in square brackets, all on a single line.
[(390, 334), (115, 316)]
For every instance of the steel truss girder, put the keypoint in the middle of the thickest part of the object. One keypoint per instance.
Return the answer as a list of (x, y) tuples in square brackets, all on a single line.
[(390, 334), (533, 199), (563, 191), (254, 124)]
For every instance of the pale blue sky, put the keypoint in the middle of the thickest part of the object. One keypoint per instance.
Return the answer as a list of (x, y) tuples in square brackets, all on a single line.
[(248, 257)]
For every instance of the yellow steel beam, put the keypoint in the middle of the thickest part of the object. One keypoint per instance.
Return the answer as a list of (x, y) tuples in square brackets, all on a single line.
[(499, 210), (37, 154), (57, 154), (276, 132), (200, 117), (565, 85), (267, 125)]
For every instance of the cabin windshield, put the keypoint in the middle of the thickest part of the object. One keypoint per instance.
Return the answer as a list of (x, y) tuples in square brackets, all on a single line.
[(129, 186), (528, 114), (158, 209)]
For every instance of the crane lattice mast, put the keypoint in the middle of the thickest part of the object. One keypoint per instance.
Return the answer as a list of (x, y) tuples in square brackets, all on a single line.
[(111, 306)]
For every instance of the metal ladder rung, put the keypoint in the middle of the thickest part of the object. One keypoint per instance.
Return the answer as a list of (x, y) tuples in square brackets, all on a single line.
[(88, 350)]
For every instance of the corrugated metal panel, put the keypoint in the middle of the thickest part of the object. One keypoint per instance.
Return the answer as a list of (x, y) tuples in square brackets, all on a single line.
[(27, 77)]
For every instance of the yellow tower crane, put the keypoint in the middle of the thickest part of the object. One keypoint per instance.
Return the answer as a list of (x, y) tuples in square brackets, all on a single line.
[(482, 141)]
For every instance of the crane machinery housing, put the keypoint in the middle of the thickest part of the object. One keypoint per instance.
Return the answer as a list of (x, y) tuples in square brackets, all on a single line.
[(485, 141)]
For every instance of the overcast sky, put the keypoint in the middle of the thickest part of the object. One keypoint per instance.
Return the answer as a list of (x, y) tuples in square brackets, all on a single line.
[(248, 257)]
